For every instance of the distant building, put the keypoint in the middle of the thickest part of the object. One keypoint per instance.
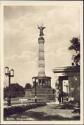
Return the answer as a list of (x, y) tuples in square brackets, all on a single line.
[(68, 83)]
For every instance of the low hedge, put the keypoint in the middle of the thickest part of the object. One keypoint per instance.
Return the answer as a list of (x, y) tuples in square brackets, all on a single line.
[(21, 108)]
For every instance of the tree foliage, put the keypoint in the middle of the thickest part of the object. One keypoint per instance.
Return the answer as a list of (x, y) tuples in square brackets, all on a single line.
[(75, 46), (28, 86), (15, 90)]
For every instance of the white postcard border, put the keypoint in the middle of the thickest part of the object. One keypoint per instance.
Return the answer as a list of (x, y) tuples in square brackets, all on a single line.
[(41, 3)]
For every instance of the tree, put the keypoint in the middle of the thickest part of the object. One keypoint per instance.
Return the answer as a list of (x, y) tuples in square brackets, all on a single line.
[(75, 46), (75, 79), (15, 90), (28, 86)]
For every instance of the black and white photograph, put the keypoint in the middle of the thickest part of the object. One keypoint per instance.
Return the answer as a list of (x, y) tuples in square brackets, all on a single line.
[(43, 60)]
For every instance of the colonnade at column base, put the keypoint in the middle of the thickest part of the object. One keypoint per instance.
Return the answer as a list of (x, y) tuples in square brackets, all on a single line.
[(41, 89)]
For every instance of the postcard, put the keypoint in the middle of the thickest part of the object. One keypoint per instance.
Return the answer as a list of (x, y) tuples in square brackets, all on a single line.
[(41, 62)]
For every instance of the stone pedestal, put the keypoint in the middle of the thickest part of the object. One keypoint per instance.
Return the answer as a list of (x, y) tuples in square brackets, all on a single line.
[(42, 89)]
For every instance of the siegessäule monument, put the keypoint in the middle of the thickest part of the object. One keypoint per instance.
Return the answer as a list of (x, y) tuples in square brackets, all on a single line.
[(41, 83)]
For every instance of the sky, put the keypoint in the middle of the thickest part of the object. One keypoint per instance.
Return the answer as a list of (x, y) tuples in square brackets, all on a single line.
[(21, 34)]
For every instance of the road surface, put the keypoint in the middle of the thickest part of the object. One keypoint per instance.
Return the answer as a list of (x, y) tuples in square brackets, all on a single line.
[(48, 112)]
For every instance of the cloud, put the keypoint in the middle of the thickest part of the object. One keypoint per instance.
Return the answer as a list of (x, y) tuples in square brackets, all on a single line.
[(26, 56)]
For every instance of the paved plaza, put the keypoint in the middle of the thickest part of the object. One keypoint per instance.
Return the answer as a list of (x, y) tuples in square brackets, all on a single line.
[(49, 112)]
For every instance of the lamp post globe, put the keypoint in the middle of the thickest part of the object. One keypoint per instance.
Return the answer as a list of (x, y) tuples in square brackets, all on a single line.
[(9, 73)]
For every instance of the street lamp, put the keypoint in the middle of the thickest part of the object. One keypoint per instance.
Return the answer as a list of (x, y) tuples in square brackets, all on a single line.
[(36, 83), (12, 72), (33, 79), (9, 73)]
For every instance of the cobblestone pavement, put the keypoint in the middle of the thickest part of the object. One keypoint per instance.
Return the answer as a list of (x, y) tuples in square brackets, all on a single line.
[(48, 112)]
